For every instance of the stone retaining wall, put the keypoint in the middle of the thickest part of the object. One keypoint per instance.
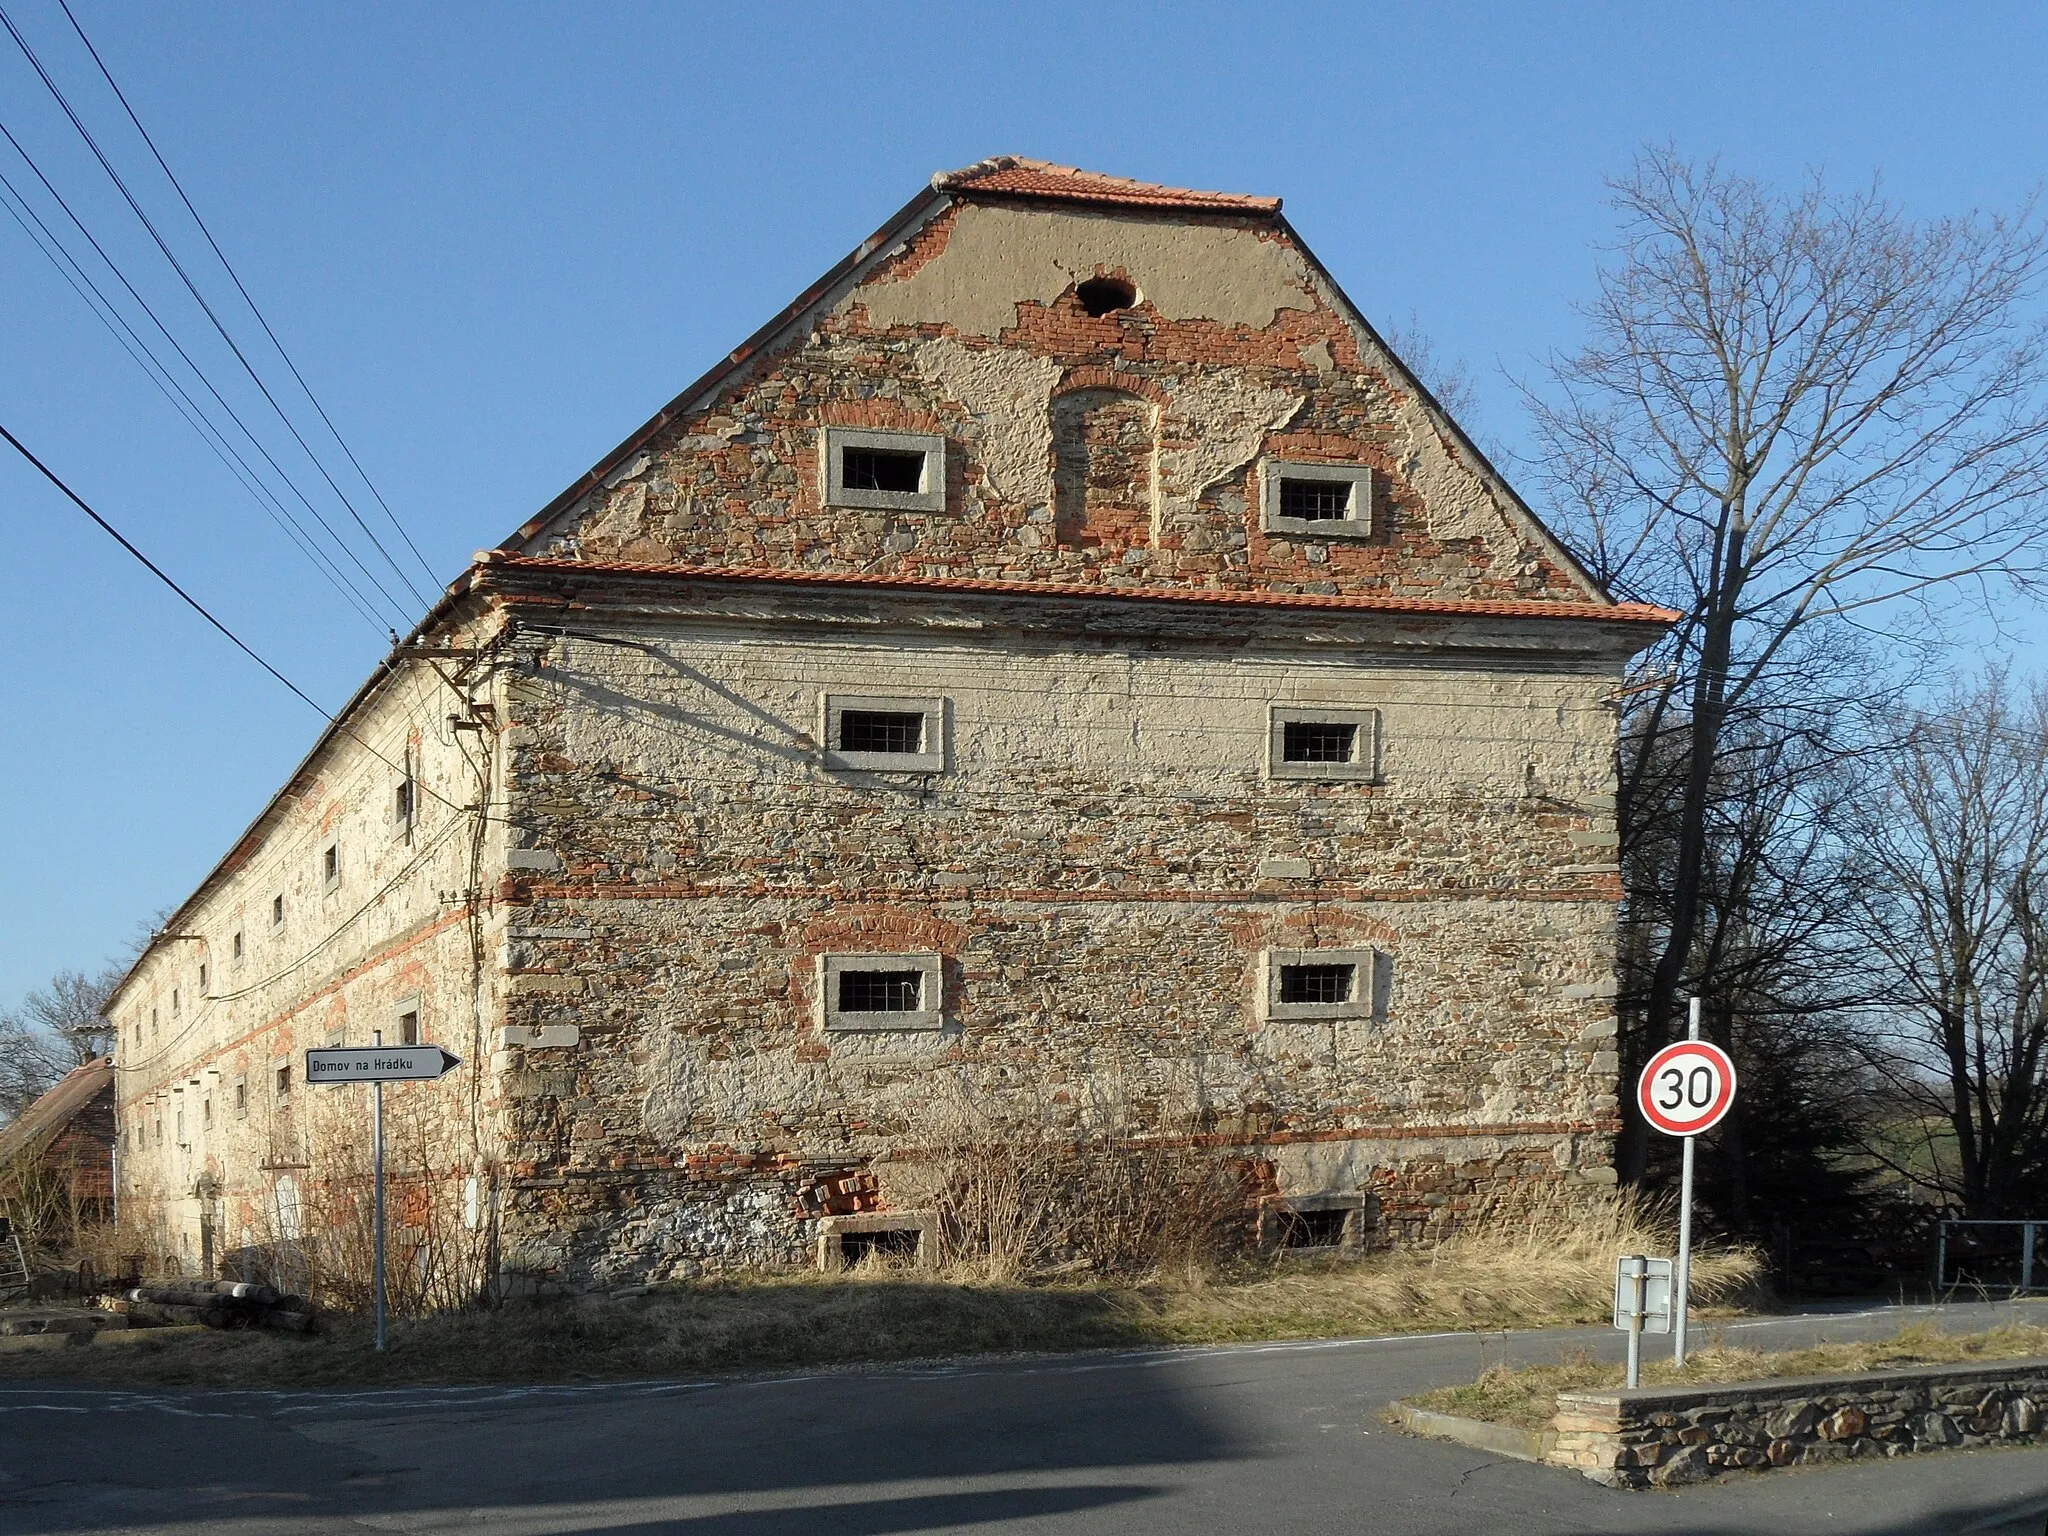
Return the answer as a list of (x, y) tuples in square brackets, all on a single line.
[(1665, 1435)]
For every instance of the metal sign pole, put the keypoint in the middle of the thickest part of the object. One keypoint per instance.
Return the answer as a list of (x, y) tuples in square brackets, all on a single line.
[(377, 1217), (1638, 1277), (1682, 1302)]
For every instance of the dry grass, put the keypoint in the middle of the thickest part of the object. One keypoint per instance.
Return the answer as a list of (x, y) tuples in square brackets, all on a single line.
[(1545, 1266), (1528, 1397)]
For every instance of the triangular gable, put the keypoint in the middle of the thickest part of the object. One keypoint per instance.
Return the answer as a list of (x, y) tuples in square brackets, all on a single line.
[(961, 309)]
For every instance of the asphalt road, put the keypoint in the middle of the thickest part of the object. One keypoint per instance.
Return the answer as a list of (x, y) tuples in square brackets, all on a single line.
[(1259, 1438)]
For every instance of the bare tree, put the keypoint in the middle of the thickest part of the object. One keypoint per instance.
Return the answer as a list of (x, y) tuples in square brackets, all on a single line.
[(1955, 829), (1793, 411), (56, 1028)]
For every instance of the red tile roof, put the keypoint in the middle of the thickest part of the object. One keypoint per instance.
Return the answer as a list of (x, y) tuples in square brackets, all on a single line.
[(1630, 613), (44, 1121), (1015, 176)]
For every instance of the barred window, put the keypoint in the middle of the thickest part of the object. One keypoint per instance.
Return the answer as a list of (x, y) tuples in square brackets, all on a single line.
[(1319, 741), (1315, 501), (1317, 983), (880, 991), (875, 730)]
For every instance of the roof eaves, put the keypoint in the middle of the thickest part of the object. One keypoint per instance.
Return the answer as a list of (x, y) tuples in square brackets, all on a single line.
[(1597, 612)]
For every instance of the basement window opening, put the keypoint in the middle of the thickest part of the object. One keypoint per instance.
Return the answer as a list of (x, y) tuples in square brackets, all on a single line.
[(875, 730), (1317, 983), (881, 469), (1106, 295), (1310, 1229), (1319, 741), (1315, 501), (889, 1244), (881, 991)]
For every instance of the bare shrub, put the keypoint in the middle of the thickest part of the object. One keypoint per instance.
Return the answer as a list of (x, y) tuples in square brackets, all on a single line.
[(321, 1241), (1029, 1189)]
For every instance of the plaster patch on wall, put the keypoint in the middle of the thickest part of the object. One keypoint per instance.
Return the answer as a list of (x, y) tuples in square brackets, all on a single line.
[(1223, 418), (1006, 391), (685, 1080), (998, 258)]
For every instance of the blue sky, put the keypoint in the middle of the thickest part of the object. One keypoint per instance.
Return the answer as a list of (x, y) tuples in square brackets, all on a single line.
[(496, 238)]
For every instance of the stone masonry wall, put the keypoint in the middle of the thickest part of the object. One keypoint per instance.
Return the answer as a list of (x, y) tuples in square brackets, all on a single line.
[(1100, 867), (973, 330), (1662, 1436), (223, 1146)]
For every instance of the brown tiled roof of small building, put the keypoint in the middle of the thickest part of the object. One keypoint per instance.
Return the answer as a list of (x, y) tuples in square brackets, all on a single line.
[(1015, 176), (44, 1121)]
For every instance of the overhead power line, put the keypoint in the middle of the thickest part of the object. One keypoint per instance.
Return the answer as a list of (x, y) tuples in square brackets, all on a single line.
[(148, 224), (235, 278), (157, 571), (168, 384), (375, 584)]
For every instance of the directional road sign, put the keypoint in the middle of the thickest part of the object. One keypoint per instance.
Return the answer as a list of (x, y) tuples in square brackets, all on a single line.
[(379, 1064), (1686, 1088)]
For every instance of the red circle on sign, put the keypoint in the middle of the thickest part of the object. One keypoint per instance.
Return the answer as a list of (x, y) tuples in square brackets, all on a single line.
[(1672, 1096)]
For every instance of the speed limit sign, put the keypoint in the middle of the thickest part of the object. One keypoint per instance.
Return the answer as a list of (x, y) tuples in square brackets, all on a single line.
[(1686, 1088)]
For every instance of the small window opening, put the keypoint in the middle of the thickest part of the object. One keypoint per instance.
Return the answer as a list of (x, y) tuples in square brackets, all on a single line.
[(875, 730), (1319, 741), (330, 864), (152, 1021), (1105, 295), (175, 1004), (856, 1248), (880, 991), (1316, 983), (241, 1098), (179, 1129), (277, 911), (1315, 501), (409, 1027), (159, 1138), (202, 978), (206, 1114), (284, 1082), (237, 945), (402, 801), (1310, 1229), (881, 469)]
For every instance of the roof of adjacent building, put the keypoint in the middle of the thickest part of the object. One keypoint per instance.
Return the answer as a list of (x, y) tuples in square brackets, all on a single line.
[(47, 1119), (1016, 176)]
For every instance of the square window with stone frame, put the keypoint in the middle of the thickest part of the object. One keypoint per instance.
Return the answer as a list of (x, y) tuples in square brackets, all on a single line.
[(881, 992), (1314, 743), (1316, 984), (1317, 501), (881, 733), (884, 471)]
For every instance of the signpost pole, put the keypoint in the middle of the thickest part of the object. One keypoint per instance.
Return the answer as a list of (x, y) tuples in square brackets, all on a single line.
[(1637, 1272), (1682, 1302), (377, 1199)]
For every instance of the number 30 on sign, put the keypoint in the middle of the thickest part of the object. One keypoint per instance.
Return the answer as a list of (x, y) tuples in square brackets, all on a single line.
[(1686, 1088)]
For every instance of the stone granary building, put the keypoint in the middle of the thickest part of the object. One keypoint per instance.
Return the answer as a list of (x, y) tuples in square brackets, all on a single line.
[(1064, 654)]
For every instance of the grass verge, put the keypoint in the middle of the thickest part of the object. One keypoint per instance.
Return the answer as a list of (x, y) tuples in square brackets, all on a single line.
[(1527, 1397), (1541, 1268)]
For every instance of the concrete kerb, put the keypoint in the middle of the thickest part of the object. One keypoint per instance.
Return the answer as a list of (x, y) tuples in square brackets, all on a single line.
[(1500, 1439)]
